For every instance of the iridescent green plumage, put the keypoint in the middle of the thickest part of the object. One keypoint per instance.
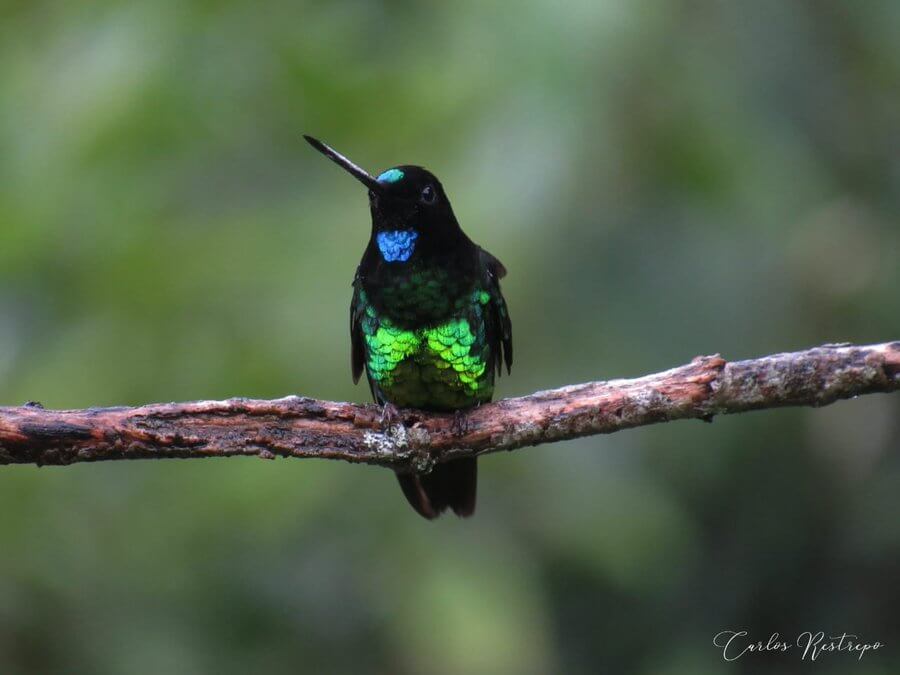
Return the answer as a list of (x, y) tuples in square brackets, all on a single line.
[(446, 366)]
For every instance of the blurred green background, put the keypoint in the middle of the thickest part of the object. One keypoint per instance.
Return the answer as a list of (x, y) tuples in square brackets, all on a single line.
[(662, 179)]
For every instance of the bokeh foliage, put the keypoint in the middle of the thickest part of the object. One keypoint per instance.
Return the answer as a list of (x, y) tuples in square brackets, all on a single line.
[(662, 179)]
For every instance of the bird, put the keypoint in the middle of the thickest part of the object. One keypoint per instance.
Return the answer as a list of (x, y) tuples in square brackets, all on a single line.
[(428, 322)]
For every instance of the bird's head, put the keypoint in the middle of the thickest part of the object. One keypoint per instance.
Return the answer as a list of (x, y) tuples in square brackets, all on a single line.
[(411, 215)]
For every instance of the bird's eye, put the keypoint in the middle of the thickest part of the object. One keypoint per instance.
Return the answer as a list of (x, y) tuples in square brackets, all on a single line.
[(373, 198), (428, 195)]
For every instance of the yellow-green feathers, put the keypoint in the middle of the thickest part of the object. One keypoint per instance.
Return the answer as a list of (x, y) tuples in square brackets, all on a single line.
[(429, 339), (444, 366)]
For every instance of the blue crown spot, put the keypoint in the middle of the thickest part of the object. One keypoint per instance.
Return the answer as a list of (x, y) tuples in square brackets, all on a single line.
[(390, 176), (396, 245)]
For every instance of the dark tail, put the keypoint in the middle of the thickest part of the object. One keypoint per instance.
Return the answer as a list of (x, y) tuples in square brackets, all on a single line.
[(449, 485)]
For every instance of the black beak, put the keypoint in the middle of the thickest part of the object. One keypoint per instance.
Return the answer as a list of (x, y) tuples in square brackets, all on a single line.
[(348, 166)]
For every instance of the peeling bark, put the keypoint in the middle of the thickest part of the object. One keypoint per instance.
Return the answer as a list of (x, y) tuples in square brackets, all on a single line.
[(303, 427)]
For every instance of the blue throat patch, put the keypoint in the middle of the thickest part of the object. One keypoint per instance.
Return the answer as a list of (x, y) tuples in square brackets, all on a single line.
[(390, 176), (396, 245)]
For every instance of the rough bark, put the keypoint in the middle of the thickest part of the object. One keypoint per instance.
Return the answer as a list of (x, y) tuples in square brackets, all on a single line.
[(302, 427)]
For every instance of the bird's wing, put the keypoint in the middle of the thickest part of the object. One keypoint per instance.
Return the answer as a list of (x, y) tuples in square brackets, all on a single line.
[(499, 327), (357, 340)]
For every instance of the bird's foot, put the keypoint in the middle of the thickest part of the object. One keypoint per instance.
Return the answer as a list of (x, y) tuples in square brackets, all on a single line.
[(390, 416), (460, 424)]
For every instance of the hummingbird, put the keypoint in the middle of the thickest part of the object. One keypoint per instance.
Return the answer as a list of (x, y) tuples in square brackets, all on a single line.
[(428, 323)]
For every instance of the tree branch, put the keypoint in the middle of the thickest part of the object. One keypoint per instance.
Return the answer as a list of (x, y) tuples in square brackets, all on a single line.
[(303, 427)]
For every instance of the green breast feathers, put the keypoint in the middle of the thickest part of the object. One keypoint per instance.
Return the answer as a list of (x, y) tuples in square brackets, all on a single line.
[(447, 366)]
